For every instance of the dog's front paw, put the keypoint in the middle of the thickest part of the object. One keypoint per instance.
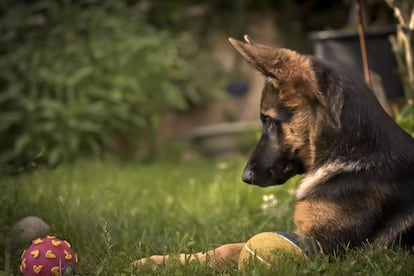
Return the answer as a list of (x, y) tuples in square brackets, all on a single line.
[(153, 260)]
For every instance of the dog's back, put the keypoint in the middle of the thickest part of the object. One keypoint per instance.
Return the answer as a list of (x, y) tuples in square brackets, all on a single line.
[(366, 193)]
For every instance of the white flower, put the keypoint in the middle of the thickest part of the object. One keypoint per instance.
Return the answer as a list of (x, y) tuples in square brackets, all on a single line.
[(269, 201)]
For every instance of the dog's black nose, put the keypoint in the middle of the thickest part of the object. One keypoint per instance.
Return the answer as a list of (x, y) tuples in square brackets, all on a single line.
[(248, 175)]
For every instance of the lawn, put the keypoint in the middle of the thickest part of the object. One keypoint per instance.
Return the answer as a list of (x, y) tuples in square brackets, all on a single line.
[(114, 212)]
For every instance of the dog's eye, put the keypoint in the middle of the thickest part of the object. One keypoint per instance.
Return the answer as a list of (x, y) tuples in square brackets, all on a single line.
[(284, 114), (267, 119)]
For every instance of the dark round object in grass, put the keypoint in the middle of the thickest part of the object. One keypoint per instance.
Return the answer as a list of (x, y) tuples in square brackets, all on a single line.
[(26, 230)]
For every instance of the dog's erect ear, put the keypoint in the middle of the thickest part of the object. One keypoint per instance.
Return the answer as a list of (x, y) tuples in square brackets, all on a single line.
[(293, 72), (282, 64), (251, 42), (255, 54)]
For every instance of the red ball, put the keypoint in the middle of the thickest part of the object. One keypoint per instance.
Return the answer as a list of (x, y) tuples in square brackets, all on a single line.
[(49, 256)]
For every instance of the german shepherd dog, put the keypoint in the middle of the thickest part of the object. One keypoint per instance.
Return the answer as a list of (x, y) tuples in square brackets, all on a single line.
[(324, 122)]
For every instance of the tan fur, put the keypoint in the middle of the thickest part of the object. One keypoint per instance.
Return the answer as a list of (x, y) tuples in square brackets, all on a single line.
[(295, 83), (312, 217), (228, 253), (310, 214), (298, 133)]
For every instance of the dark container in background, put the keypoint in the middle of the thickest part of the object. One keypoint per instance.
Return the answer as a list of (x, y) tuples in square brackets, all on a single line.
[(342, 47)]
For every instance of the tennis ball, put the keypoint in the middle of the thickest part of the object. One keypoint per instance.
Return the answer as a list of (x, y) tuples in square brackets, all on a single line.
[(48, 256), (271, 248)]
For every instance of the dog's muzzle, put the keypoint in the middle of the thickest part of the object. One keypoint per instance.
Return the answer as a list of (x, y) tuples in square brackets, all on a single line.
[(275, 175)]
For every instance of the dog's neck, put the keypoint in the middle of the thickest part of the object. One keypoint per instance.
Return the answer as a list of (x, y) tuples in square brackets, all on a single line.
[(382, 163), (325, 172)]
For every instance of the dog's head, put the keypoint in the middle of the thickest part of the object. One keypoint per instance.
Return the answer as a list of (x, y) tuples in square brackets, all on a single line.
[(292, 107)]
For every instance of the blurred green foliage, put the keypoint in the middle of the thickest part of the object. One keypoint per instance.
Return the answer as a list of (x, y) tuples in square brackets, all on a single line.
[(81, 78), (406, 118)]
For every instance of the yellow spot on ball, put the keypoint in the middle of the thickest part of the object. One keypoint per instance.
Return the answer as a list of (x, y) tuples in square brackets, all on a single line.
[(56, 242), (49, 254), (51, 237), (55, 271), (37, 241), (68, 256), (67, 243), (35, 253), (23, 264), (37, 268)]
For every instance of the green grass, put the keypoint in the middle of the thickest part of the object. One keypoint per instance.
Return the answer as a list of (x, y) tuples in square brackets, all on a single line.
[(114, 212)]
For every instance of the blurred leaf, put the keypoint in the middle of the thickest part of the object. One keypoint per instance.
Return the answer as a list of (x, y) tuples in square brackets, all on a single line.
[(48, 126), (79, 75), (12, 93), (54, 156), (74, 143), (7, 156), (21, 143), (406, 118), (91, 127), (9, 119)]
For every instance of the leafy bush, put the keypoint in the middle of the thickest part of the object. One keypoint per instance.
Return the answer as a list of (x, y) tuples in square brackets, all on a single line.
[(74, 78), (406, 117)]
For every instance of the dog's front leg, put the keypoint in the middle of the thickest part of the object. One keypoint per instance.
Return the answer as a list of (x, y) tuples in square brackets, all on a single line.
[(228, 253)]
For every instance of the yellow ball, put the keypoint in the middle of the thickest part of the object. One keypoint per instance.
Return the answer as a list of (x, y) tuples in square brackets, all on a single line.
[(272, 248)]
